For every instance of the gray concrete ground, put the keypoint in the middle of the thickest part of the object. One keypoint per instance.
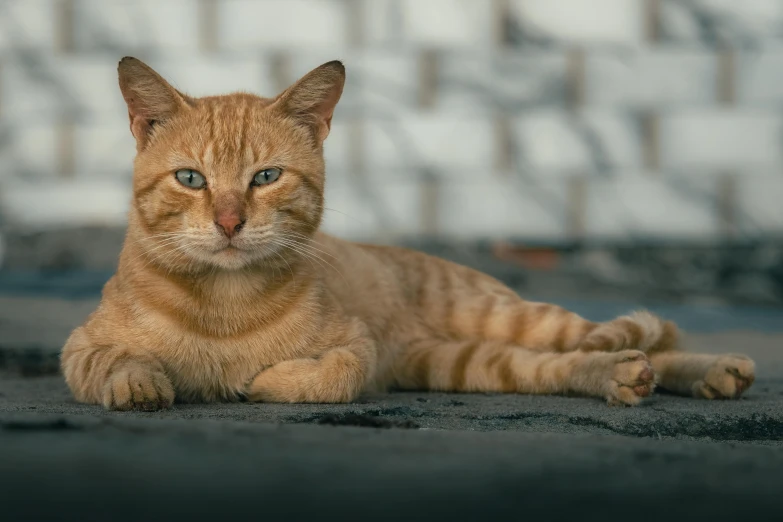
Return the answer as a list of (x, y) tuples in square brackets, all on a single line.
[(399, 456)]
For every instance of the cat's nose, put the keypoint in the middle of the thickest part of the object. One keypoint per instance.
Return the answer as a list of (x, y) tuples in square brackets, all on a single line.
[(230, 224)]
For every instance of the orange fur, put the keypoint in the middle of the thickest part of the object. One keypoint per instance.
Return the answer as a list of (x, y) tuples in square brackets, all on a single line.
[(229, 291)]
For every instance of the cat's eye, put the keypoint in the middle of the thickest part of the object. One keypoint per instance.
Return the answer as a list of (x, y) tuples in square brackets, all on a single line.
[(266, 176), (190, 178)]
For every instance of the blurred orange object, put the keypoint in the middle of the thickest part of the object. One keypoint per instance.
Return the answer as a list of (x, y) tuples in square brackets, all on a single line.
[(532, 258)]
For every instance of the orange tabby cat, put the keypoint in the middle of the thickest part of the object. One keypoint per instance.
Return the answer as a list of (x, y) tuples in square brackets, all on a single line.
[(226, 289)]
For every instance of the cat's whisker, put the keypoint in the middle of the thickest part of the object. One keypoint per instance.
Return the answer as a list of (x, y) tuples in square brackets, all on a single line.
[(309, 240), (346, 215), (161, 244), (307, 244), (306, 250), (175, 254), (308, 258), (287, 264)]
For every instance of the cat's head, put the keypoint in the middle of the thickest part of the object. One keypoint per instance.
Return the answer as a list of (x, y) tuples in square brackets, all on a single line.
[(226, 181)]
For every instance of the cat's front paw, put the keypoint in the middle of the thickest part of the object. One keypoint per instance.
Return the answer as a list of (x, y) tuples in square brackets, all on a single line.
[(632, 378), (726, 378), (138, 388)]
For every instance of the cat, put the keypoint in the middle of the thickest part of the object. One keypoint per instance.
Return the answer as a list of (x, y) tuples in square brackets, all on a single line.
[(226, 290)]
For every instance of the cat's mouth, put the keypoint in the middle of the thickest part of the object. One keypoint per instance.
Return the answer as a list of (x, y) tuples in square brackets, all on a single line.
[(228, 249)]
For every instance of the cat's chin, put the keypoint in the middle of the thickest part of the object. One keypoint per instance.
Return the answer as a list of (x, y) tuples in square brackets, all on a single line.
[(230, 258)]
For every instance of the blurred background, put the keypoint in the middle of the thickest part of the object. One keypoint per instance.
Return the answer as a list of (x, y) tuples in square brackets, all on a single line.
[(598, 149)]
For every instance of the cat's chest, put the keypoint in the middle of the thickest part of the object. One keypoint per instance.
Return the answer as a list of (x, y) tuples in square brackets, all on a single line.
[(215, 368)]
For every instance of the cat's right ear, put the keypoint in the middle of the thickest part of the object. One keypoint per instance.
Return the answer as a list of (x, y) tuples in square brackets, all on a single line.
[(150, 98)]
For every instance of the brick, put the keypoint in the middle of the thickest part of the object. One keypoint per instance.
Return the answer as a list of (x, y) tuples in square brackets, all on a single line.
[(217, 74), (502, 81), (597, 22), (369, 211), (66, 203), (379, 82), (465, 146), (123, 27), (28, 152), (759, 202), (47, 89), (28, 24), (560, 141), (337, 147), (501, 206), (432, 23), (759, 77), (651, 78), (282, 24), (727, 22), (721, 139), (104, 150), (640, 205)]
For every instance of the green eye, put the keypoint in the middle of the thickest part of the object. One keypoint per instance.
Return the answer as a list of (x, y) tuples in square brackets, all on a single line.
[(191, 178), (266, 176)]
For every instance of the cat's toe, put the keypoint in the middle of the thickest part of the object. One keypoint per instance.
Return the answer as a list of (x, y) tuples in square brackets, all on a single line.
[(633, 378), (727, 378), (138, 389)]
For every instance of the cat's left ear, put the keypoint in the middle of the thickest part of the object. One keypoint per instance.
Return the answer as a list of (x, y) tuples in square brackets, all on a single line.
[(313, 98), (150, 98)]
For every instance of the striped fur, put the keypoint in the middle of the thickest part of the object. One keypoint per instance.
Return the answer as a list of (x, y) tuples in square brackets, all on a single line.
[(282, 312)]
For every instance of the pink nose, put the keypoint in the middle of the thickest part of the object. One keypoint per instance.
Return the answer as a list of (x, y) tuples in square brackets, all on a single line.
[(230, 224)]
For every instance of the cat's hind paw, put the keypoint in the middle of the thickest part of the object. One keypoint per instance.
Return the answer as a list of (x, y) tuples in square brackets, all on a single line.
[(726, 378), (632, 379)]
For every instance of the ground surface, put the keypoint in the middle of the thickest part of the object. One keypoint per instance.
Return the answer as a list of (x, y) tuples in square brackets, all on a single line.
[(403, 456)]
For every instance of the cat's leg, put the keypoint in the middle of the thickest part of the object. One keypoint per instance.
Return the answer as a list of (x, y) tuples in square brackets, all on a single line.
[(549, 327), (623, 377), (117, 377), (458, 302), (339, 374), (704, 376)]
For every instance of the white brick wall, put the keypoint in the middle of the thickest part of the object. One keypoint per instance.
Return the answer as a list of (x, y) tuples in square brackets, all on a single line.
[(720, 140), (499, 206), (760, 77), (46, 88), (760, 208), (281, 24), (601, 22), (432, 23), (71, 202), (745, 23), (28, 152), (462, 145), (103, 149), (134, 26), (28, 24), (557, 141), (379, 82), (643, 205), (651, 78), (217, 74), (500, 81), (502, 108), (370, 211)]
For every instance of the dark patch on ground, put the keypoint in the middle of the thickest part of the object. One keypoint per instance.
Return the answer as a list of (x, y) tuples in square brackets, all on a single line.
[(394, 417), (363, 421), (29, 361), (40, 425)]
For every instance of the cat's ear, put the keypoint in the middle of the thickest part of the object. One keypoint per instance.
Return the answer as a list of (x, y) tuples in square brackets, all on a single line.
[(150, 98), (313, 98)]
